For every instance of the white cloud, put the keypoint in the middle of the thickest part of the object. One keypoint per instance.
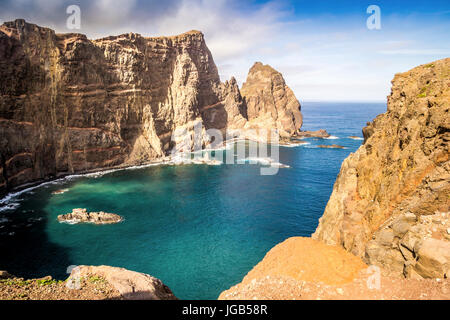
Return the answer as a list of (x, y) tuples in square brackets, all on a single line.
[(229, 32), (417, 52), (322, 57)]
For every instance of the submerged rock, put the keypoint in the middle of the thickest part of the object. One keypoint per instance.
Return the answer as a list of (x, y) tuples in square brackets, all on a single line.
[(82, 216), (313, 134), (332, 146)]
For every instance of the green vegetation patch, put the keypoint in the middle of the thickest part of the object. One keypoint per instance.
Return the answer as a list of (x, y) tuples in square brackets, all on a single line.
[(46, 282), (15, 282), (96, 279), (423, 93)]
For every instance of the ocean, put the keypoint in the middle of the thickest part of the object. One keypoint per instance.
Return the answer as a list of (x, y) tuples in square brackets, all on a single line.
[(198, 228)]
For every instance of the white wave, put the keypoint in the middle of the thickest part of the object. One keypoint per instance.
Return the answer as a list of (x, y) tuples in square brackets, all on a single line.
[(356, 138), (263, 161), (13, 195), (332, 138), (59, 191), (255, 160), (279, 165), (9, 206), (174, 161), (4, 220), (294, 145), (71, 222), (179, 160)]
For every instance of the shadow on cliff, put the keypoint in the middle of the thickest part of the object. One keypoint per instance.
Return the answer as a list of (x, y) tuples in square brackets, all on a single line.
[(25, 249)]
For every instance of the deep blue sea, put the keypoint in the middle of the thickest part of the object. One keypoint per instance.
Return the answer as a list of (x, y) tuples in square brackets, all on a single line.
[(198, 228)]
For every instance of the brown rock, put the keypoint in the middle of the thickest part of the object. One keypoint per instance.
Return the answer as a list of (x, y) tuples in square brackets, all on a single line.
[(433, 259), (82, 216), (130, 284), (332, 146), (270, 102), (392, 194), (69, 104), (5, 274), (313, 134), (304, 259)]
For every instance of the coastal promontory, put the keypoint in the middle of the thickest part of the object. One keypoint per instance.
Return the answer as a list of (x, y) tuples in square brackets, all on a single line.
[(69, 104), (389, 210)]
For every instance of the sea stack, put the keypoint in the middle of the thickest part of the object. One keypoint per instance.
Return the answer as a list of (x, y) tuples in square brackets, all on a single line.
[(270, 102), (69, 104)]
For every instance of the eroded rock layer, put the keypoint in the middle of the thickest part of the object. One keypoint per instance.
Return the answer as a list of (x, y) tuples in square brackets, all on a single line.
[(390, 203), (70, 104), (270, 102)]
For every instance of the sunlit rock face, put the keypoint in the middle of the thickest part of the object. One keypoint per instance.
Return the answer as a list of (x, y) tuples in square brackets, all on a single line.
[(270, 102), (70, 104), (390, 203)]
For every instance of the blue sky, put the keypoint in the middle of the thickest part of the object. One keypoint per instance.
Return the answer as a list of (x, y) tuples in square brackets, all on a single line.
[(323, 48)]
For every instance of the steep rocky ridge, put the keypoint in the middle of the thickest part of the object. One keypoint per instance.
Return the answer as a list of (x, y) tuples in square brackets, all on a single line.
[(389, 209), (69, 104), (390, 203), (270, 102)]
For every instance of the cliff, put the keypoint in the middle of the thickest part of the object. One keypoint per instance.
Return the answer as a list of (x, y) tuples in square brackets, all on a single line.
[(270, 102), (389, 208), (69, 104), (390, 203)]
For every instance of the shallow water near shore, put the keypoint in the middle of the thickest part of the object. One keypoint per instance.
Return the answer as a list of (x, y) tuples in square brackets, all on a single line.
[(198, 228)]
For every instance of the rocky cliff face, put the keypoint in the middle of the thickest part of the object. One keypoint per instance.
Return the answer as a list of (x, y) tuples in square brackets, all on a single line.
[(390, 203), (69, 104), (270, 102)]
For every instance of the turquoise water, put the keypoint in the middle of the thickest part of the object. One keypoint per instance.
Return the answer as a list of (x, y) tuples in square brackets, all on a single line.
[(198, 228)]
